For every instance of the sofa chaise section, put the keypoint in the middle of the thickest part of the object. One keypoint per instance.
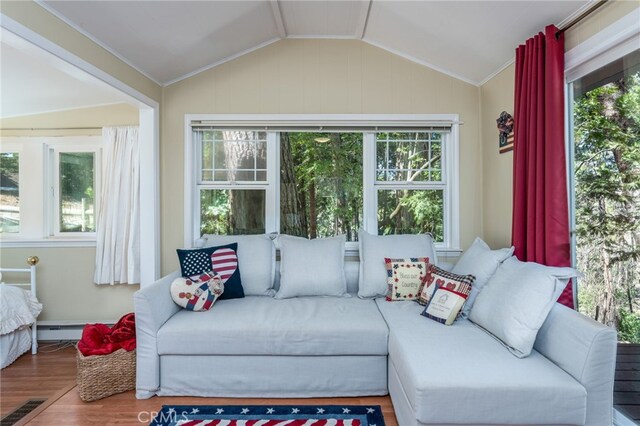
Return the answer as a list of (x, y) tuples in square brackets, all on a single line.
[(462, 375), (259, 346)]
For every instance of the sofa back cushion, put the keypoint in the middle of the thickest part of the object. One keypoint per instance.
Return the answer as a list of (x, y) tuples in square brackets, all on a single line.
[(257, 260), (351, 272), (311, 267), (516, 301), (375, 248)]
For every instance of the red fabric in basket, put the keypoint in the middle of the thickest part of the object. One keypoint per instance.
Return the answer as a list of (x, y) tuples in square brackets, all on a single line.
[(99, 339)]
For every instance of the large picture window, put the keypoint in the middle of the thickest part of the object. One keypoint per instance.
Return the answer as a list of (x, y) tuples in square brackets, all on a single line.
[(317, 184)]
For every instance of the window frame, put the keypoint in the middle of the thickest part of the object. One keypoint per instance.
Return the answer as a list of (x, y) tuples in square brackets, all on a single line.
[(38, 210), (370, 125), (12, 147), (52, 185), (610, 44)]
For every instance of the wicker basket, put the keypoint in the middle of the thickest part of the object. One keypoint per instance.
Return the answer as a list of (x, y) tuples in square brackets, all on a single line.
[(100, 376)]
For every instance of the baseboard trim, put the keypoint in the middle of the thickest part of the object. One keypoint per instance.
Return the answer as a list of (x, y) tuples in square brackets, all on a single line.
[(63, 330)]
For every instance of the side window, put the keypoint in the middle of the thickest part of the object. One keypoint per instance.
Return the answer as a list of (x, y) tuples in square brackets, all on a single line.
[(75, 192), (232, 181), (410, 183), (9, 192)]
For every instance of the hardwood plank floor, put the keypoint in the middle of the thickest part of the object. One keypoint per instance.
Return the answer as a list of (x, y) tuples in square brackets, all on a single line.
[(36, 376), (47, 374)]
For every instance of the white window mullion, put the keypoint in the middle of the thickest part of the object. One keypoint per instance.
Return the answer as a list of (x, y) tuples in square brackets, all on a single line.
[(54, 208), (451, 147), (272, 201)]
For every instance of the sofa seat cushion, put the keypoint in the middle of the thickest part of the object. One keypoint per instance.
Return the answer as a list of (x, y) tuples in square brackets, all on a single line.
[(462, 375), (261, 325)]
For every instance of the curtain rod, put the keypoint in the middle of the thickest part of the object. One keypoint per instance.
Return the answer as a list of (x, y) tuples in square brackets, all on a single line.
[(582, 16), (51, 128)]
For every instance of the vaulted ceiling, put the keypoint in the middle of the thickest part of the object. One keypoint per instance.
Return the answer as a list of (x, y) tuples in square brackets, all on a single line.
[(171, 40)]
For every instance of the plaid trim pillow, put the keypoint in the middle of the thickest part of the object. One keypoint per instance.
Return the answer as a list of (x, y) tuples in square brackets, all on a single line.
[(445, 304), (439, 277), (405, 277)]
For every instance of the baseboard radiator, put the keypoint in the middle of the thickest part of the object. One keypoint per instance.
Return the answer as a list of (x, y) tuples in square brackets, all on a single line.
[(64, 330)]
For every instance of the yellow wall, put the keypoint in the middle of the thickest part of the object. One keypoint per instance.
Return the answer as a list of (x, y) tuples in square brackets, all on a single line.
[(65, 284), (65, 275), (496, 96), (316, 77), (39, 20)]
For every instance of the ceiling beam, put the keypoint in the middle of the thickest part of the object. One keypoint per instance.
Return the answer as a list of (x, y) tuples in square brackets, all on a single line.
[(362, 25), (277, 15)]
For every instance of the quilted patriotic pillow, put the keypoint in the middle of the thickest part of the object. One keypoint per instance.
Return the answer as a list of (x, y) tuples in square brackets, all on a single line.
[(222, 260), (445, 303), (439, 277), (197, 293), (405, 277)]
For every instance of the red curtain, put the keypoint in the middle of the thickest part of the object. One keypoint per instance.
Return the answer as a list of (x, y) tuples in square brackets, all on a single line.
[(540, 208)]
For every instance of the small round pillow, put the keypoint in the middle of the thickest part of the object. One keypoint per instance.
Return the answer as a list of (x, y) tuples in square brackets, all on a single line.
[(198, 292)]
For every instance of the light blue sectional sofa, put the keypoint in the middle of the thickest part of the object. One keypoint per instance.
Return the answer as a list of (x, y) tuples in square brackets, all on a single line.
[(261, 346)]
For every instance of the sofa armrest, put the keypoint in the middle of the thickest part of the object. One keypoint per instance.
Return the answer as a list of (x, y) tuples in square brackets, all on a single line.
[(586, 350), (153, 307)]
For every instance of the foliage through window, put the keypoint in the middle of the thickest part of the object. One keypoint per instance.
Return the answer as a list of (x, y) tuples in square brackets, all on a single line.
[(606, 112), (76, 202), (321, 184), (410, 183), (9, 192)]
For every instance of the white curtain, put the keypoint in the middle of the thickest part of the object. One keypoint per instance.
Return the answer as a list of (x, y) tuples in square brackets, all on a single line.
[(118, 230)]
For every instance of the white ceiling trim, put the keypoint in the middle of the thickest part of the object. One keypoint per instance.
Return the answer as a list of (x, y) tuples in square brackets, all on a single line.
[(82, 31), (496, 72), (575, 14), (362, 28), (222, 61), (323, 36), (421, 62), (277, 16)]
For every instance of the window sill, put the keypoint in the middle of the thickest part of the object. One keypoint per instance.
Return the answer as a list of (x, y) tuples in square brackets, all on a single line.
[(57, 242)]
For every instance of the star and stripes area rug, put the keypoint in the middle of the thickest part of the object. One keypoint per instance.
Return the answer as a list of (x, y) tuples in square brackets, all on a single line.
[(264, 415)]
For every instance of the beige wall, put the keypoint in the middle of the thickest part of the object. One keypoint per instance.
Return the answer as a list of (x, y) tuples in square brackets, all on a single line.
[(65, 275), (496, 96), (65, 285), (316, 77), (37, 19)]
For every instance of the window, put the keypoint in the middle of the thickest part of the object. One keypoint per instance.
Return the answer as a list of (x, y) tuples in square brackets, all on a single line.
[(74, 188), (605, 196), (310, 183), (232, 183), (63, 180), (321, 184), (410, 183), (9, 192)]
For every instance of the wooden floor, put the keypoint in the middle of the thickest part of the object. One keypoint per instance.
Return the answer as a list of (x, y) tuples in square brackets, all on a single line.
[(52, 375), (626, 391)]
